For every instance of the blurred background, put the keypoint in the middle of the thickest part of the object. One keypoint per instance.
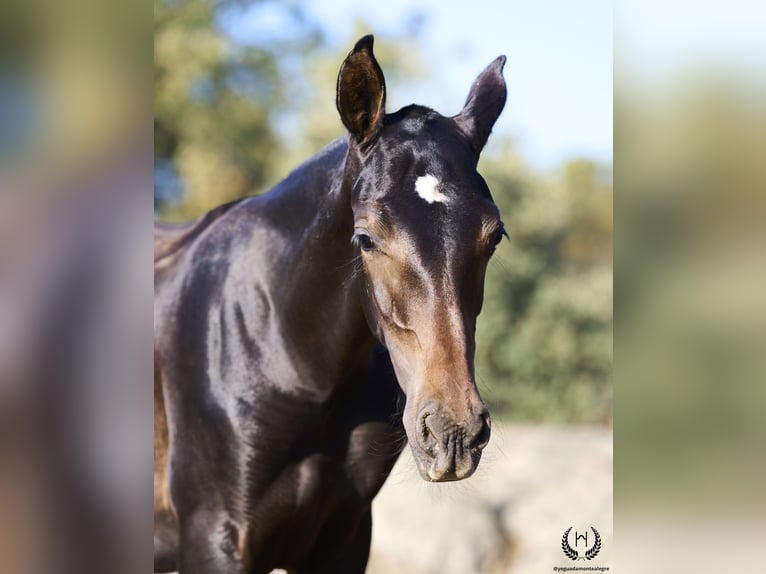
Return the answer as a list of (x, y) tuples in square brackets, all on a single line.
[(690, 111), (245, 92)]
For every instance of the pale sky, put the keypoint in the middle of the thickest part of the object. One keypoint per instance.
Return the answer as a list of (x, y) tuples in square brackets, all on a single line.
[(559, 69), (660, 41)]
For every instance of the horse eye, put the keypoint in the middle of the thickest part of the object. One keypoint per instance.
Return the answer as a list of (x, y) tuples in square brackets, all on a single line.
[(497, 237), (364, 242)]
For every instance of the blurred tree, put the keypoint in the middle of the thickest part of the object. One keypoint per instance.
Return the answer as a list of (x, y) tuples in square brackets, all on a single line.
[(215, 100), (545, 336)]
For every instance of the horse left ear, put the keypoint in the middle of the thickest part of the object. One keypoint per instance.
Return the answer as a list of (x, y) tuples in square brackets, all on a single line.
[(361, 93), (483, 106)]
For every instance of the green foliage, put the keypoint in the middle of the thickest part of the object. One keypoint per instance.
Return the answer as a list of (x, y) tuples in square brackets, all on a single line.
[(545, 335), (233, 118)]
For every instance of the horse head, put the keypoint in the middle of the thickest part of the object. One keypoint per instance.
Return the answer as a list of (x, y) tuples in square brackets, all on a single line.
[(426, 226)]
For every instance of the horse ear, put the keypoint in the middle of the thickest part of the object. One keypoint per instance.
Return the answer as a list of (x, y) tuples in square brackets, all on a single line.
[(361, 93), (483, 106)]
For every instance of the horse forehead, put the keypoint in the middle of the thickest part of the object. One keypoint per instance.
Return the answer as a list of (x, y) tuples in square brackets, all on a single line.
[(436, 193), (430, 200), (423, 175), (427, 172)]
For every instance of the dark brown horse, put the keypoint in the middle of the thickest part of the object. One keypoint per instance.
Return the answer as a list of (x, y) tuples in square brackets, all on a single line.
[(303, 335)]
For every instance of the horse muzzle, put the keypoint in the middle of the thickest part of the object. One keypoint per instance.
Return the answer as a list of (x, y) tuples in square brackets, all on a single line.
[(445, 450)]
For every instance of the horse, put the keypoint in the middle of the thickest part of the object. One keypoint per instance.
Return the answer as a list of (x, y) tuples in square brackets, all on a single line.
[(305, 336)]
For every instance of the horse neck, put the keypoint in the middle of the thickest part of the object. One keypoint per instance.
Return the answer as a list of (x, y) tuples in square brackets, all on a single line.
[(325, 285)]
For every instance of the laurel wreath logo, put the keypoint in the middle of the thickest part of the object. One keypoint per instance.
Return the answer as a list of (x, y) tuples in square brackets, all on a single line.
[(572, 554)]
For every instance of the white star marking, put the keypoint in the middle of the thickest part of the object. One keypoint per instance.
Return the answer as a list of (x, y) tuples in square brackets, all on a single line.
[(427, 188)]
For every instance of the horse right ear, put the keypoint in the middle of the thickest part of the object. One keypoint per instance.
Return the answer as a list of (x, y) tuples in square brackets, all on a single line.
[(361, 93)]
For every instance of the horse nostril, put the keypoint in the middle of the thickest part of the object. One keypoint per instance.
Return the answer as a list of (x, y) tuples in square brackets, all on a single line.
[(482, 438), (425, 431), (429, 427)]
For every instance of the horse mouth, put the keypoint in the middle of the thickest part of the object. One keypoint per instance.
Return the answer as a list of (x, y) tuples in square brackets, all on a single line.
[(447, 467)]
